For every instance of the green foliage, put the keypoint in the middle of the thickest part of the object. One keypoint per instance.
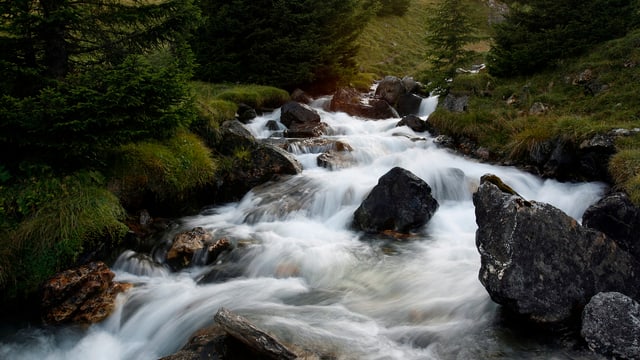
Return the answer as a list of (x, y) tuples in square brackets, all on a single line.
[(624, 167), (76, 122), (537, 34), (449, 31), (393, 7), (256, 96), (50, 39), (48, 222), (168, 169), (279, 43)]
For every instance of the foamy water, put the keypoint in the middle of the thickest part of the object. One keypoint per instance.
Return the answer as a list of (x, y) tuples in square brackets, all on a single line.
[(304, 275)]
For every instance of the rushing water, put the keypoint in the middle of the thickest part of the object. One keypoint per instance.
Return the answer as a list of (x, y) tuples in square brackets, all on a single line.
[(300, 271)]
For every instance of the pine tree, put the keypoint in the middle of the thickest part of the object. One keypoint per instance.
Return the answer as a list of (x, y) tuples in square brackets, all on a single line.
[(282, 43), (449, 30), (42, 40), (537, 33), (78, 78)]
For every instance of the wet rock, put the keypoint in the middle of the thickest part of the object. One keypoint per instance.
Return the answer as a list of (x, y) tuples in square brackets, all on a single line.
[(300, 96), (540, 263), (301, 120), (84, 295), (255, 339), (189, 245), (336, 160), (414, 122), (390, 89), (263, 162), (617, 217), (234, 136), (186, 245), (400, 201), (272, 125), (350, 101), (235, 337), (408, 104), (611, 325), (317, 145), (246, 113)]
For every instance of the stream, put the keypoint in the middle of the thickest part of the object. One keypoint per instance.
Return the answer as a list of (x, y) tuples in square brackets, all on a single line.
[(303, 274)]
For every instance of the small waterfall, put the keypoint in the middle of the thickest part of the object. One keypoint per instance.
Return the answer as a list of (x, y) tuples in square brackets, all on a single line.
[(301, 272)]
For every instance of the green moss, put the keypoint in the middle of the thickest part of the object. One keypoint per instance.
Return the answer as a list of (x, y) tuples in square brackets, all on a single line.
[(168, 169), (51, 221)]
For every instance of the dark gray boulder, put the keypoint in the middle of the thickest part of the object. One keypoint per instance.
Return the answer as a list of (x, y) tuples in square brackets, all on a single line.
[(617, 217), (415, 123), (301, 120), (246, 113), (611, 325), (400, 202), (408, 104), (538, 262), (260, 162), (390, 89)]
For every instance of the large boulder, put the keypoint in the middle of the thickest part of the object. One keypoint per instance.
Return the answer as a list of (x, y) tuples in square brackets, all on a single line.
[(611, 325), (539, 262), (400, 202), (350, 101), (83, 295), (408, 104), (617, 217), (259, 163), (390, 89), (301, 120)]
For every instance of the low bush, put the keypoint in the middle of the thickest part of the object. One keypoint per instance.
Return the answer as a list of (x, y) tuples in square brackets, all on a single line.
[(164, 170)]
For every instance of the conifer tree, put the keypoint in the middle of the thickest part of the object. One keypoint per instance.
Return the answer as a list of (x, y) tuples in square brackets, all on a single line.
[(449, 30), (282, 43), (537, 33)]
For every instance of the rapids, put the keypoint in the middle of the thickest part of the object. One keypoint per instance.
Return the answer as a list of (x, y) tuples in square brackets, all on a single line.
[(305, 276)]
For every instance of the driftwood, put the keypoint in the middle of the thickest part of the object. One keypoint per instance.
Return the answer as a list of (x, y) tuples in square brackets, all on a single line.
[(241, 329)]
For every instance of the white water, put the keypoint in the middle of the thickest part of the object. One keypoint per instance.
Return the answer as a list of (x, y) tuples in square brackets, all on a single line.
[(305, 276)]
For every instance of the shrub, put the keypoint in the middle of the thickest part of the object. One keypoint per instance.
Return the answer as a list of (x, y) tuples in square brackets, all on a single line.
[(255, 96), (168, 170)]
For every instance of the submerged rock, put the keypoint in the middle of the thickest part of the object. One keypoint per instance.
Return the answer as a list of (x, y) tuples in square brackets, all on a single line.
[(84, 295), (235, 337), (400, 201), (539, 262), (611, 325)]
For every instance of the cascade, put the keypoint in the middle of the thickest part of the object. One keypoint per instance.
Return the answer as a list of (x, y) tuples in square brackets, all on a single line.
[(304, 275)]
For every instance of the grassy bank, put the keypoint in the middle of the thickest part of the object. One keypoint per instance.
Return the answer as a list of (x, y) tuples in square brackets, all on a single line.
[(584, 96)]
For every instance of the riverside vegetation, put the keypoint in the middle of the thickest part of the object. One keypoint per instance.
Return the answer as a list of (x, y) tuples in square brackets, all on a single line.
[(96, 130)]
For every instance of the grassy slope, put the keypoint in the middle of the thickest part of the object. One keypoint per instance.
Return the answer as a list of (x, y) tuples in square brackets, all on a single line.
[(396, 46)]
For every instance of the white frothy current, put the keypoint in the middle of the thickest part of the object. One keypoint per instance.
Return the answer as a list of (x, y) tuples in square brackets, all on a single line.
[(307, 277)]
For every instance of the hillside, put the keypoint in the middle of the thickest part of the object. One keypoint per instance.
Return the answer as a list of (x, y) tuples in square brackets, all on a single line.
[(498, 117), (396, 45)]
